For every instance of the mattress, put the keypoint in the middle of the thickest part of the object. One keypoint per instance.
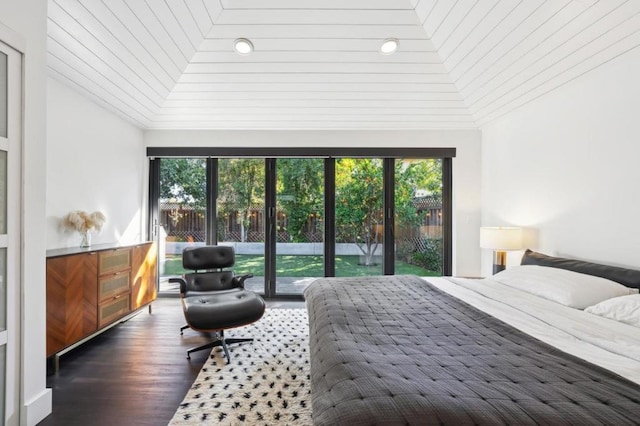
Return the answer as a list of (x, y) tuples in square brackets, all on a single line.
[(601, 341), (399, 350)]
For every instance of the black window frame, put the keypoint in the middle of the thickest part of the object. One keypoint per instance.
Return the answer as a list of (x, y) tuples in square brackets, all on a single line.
[(270, 156)]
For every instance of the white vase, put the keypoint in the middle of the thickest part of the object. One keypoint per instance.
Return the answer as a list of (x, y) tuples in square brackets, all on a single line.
[(85, 239)]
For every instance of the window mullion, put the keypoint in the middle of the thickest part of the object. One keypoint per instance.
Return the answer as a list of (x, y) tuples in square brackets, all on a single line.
[(388, 239)]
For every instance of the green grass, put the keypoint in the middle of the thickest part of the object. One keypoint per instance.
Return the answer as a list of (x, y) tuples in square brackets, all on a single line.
[(303, 266)]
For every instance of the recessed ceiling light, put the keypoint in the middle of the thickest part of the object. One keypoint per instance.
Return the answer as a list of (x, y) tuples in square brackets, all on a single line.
[(243, 46), (389, 46)]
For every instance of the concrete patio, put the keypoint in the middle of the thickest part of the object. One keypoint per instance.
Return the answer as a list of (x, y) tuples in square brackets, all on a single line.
[(284, 285)]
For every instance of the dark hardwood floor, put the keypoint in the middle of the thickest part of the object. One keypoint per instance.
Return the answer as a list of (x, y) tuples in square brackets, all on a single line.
[(133, 374)]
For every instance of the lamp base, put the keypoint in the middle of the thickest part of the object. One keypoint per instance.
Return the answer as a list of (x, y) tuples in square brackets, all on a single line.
[(498, 268), (499, 261)]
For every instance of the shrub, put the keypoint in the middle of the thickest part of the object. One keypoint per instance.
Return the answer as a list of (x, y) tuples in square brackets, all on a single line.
[(430, 257), (405, 251)]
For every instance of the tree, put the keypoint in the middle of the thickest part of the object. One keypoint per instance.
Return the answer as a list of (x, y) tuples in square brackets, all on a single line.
[(241, 186), (183, 180), (413, 175), (359, 198), (300, 192)]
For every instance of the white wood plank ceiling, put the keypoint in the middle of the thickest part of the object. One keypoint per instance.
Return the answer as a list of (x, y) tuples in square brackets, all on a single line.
[(316, 63)]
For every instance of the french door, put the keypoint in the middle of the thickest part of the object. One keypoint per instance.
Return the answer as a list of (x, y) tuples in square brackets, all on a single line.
[(294, 218), (10, 172)]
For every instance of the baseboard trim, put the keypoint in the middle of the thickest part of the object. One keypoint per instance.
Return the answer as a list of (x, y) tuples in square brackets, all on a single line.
[(36, 409)]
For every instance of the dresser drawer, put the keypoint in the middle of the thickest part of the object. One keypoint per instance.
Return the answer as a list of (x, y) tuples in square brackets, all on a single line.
[(114, 261), (113, 310), (112, 285)]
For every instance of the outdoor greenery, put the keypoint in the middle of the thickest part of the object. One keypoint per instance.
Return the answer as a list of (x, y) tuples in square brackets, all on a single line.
[(430, 256), (240, 186), (183, 180), (427, 254), (300, 198), (301, 266), (359, 198), (300, 193)]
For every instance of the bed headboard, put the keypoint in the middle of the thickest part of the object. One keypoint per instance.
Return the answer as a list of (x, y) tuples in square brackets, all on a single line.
[(624, 276)]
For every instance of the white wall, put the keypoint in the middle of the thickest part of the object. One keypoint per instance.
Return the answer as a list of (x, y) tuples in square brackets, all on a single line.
[(96, 161), (565, 167), (28, 19), (466, 166)]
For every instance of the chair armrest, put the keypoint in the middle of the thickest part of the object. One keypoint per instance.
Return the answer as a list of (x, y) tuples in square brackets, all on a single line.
[(182, 282), (238, 280)]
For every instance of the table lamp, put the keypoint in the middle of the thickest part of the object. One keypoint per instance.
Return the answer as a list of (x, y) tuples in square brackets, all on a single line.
[(500, 239)]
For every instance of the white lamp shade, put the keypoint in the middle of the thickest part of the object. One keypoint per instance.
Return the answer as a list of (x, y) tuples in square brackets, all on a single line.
[(501, 238)]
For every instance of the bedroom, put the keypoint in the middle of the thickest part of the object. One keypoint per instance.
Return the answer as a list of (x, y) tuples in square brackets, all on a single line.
[(562, 166)]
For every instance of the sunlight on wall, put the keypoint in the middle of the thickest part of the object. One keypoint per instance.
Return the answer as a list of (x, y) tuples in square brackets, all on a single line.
[(133, 232), (531, 210)]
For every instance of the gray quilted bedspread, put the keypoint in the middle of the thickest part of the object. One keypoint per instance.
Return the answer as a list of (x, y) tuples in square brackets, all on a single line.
[(395, 350)]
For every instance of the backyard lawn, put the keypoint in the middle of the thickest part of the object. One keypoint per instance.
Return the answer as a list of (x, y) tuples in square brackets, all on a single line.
[(303, 266)]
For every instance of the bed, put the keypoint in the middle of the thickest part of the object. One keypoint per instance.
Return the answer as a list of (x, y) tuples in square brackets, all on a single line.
[(509, 349)]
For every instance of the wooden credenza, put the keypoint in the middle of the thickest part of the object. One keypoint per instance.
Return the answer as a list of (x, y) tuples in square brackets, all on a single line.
[(89, 289)]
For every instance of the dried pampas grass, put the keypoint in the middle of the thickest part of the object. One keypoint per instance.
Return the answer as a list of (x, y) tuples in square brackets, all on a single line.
[(82, 221)]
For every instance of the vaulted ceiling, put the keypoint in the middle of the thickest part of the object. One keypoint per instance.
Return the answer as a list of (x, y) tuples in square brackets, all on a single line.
[(316, 63)]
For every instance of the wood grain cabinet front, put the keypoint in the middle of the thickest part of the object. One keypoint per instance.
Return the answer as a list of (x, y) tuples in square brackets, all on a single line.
[(72, 299), (88, 291), (144, 274)]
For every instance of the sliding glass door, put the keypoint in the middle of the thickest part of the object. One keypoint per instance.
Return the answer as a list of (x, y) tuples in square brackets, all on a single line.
[(299, 223), (359, 216), (182, 214), (240, 216), (418, 235), (292, 219)]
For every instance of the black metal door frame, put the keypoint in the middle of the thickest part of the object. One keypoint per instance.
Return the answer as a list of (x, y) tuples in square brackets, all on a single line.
[(270, 232), (329, 154)]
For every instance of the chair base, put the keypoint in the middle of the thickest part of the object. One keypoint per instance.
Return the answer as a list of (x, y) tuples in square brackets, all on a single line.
[(219, 341), (183, 328)]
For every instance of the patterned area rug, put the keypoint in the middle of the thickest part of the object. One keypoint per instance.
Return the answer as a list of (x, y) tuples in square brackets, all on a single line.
[(266, 383)]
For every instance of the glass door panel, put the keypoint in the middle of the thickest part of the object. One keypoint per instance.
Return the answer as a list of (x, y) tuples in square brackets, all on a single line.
[(4, 98), (182, 214), (271, 210), (418, 217), (240, 215), (10, 213), (3, 325), (3, 192), (3, 289), (359, 216), (299, 222)]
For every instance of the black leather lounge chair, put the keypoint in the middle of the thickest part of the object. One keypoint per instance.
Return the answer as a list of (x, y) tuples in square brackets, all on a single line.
[(213, 299)]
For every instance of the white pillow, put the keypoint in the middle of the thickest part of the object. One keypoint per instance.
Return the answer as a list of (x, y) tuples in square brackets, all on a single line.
[(625, 309), (562, 286)]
